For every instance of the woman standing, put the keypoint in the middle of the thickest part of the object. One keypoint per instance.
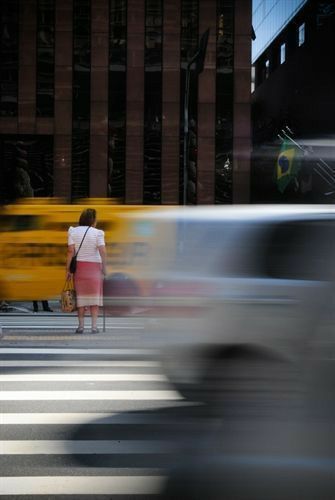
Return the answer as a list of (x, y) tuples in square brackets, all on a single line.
[(91, 266)]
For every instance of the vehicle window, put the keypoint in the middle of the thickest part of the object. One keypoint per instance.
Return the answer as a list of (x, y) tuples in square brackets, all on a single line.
[(59, 226), (199, 243), (19, 222), (241, 255), (300, 250)]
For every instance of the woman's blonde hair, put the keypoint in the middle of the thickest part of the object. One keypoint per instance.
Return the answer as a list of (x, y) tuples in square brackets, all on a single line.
[(88, 217)]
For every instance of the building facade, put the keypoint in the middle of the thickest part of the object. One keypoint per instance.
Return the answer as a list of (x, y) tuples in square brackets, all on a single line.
[(294, 97), (92, 99), (269, 17)]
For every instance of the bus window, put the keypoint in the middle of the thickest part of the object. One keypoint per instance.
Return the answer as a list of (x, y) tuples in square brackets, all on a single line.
[(19, 222)]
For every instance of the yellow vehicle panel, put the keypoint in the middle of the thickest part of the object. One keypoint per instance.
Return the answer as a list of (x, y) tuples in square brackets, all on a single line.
[(33, 245)]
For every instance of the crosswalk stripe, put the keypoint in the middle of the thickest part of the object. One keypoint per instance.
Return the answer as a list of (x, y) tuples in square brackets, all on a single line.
[(85, 447), (84, 419), (83, 377), (37, 338), (89, 351), (86, 363), (135, 482), (82, 485), (88, 395), (48, 326), (8, 319)]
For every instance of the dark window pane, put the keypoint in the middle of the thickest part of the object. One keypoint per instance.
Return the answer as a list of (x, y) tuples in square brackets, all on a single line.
[(299, 250), (80, 159), (189, 44), (224, 102), (45, 58), (27, 161), (117, 99), (9, 54), (153, 102), (81, 98)]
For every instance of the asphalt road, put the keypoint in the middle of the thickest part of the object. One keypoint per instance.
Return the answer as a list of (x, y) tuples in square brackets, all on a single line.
[(88, 415), (93, 416)]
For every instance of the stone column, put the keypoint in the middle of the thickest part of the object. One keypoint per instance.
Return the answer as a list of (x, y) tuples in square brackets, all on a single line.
[(27, 67), (135, 101), (171, 103), (242, 97), (206, 106), (99, 98), (63, 99)]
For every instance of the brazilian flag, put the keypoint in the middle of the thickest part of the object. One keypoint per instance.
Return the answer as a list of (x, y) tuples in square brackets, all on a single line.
[(288, 165)]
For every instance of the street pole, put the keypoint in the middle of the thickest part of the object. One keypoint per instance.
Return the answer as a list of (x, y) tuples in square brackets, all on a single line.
[(198, 58), (185, 155)]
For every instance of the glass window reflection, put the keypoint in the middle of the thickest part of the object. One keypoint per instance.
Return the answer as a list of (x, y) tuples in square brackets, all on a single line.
[(117, 98), (301, 34), (189, 39), (28, 160), (282, 53), (81, 98), (153, 102), (9, 54), (224, 102), (45, 58)]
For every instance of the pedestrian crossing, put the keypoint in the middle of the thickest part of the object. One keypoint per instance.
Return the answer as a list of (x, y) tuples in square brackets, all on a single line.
[(66, 322), (87, 422), (141, 486)]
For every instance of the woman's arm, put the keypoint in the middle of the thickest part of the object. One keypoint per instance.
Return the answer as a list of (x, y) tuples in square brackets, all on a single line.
[(102, 252), (70, 254)]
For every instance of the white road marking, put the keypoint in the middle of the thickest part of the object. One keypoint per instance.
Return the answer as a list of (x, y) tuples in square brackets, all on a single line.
[(82, 485), (51, 337), (87, 447), (66, 318), (48, 350), (82, 377), (88, 395), (14, 326), (46, 338), (84, 419), (86, 363)]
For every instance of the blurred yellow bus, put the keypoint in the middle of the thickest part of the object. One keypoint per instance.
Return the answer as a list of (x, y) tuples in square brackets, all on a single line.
[(33, 245)]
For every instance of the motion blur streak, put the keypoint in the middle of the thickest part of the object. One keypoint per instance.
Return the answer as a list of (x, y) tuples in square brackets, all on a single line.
[(242, 304), (239, 303), (33, 245)]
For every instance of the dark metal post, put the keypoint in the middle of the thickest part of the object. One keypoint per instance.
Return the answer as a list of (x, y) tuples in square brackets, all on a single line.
[(185, 155), (198, 58)]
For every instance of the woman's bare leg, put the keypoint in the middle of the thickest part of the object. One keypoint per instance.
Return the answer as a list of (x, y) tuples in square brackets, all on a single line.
[(81, 314), (94, 315)]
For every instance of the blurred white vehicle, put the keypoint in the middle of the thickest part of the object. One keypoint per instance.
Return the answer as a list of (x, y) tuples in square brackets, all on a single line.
[(239, 284), (242, 301)]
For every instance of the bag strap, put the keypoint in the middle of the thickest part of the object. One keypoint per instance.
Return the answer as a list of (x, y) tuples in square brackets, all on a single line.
[(81, 242), (68, 285)]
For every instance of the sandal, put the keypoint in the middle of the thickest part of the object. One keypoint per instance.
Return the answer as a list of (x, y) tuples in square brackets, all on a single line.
[(79, 330), (95, 330)]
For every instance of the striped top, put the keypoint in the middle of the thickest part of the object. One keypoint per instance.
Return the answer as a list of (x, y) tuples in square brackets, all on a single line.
[(89, 250)]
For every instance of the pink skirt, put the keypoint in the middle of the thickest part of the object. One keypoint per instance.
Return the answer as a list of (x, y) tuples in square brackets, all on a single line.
[(88, 284)]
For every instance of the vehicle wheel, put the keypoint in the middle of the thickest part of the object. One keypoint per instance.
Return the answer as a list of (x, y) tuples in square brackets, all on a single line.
[(176, 367), (119, 285), (246, 382)]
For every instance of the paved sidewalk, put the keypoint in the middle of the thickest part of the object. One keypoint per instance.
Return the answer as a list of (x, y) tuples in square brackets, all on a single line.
[(27, 307), (122, 338), (19, 336)]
